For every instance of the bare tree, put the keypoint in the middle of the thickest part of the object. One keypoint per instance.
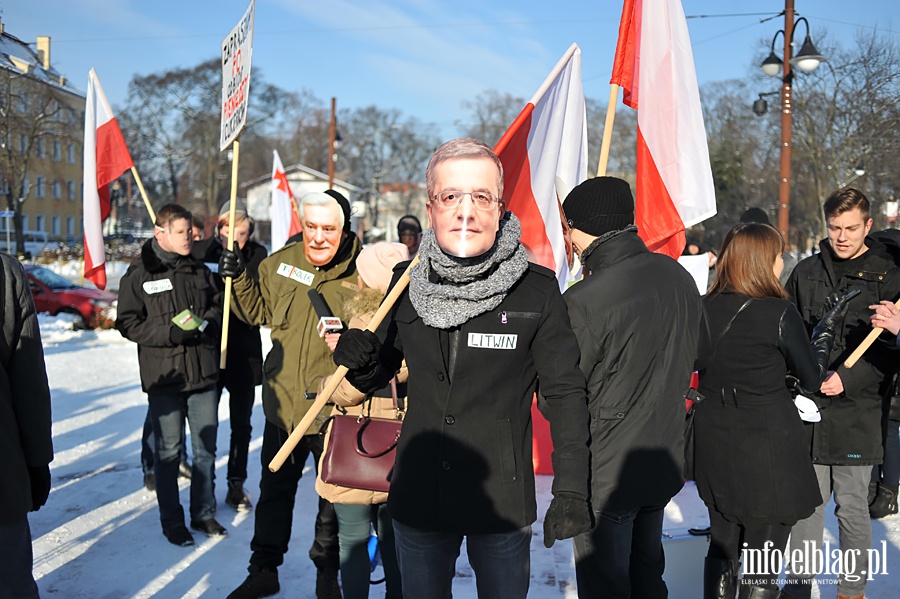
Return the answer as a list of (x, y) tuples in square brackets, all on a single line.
[(33, 114)]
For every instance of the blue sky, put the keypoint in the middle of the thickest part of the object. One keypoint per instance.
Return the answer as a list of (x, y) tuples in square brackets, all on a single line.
[(422, 56)]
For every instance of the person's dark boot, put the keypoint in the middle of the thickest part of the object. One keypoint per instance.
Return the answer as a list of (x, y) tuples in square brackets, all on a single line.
[(237, 496), (749, 591), (873, 490), (327, 586), (719, 578), (261, 582), (184, 470), (885, 503)]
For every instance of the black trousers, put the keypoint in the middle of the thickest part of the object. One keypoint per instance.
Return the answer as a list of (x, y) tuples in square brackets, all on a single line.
[(241, 393), (275, 508), (727, 540)]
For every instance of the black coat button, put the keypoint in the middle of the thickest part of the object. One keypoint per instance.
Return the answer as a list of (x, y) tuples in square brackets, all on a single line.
[(445, 465), (450, 420), (440, 376)]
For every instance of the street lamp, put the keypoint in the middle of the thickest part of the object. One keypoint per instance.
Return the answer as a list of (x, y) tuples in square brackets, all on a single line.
[(807, 60)]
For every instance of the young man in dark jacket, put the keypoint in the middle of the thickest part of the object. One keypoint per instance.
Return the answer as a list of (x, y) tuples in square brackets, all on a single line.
[(477, 326), (26, 445), (243, 367), (847, 441), (168, 306), (640, 326)]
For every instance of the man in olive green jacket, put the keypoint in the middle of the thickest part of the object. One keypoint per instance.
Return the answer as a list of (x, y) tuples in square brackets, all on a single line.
[(323, 260)]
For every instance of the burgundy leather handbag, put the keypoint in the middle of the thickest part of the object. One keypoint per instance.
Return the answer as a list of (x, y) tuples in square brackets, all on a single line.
[(361, 451)]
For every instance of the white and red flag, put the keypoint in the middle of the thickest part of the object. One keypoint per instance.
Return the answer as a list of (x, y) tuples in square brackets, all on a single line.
[(544, 155), (105, 159), (285, 221), (654, 66)]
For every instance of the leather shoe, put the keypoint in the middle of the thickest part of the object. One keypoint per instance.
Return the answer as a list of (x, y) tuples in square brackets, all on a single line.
[(180, 536), (209, 527)]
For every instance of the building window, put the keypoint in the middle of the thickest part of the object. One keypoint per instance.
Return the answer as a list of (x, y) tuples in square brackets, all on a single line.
[(57, 150), (56, 222), (23, 143), (70, 153), (70, 226), (39, 222), (24, 222), (40, 148), (39, 190), (70, 189), (57, 190)]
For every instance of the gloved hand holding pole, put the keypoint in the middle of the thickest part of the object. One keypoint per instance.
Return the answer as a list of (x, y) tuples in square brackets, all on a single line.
[(339, 374)]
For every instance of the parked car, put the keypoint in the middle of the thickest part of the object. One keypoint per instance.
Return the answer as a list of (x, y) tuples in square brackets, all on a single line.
[(56, 294), (35, 242)]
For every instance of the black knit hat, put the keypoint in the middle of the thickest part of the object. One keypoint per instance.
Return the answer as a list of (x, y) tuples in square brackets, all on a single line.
[(344, 203), (600, 205), (755, 215)]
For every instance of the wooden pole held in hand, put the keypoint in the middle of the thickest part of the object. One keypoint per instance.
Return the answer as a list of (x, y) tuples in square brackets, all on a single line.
[(137, 179), (226, 311), (607, 129), (339, 374)]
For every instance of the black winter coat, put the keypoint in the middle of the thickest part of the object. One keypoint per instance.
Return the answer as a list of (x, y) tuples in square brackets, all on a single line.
[(151, 293), (244, 360), (25, 437), (850, 431), (464, 460), (640, 324), (752, 463)]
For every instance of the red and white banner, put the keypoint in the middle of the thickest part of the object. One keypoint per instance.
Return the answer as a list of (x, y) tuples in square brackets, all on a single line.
[(544, 155), (285, 221), (654, 66), (105, 159)]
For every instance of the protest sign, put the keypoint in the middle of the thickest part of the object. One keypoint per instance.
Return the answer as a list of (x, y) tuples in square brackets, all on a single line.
[(237, 50)]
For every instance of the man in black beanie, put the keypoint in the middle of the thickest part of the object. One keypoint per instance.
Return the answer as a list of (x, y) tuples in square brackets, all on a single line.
[(758, 215), (640, 324)]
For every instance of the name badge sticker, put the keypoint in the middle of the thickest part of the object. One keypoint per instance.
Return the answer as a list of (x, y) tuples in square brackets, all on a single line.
[(297, 274), (493, 341), (151, 287)]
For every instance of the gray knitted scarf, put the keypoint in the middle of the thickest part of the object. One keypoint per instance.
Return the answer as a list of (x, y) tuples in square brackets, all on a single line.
[(468, 286)]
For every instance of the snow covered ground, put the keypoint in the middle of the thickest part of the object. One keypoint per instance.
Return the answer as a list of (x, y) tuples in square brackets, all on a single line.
[(99, 534)]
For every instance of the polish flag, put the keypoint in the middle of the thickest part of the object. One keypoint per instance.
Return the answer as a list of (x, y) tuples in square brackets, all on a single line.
[(544, 155), (105, 159), (285, 220), (654, 66)]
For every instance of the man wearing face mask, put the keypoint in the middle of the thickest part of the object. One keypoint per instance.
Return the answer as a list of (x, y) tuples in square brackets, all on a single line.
[(477, 325), (324, 260)]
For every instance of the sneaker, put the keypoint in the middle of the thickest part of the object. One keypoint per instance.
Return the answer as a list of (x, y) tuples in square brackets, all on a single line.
[(209, 527), (184, 470), (237, 496), (150, 482), (261, 582), (327, 586), (180, 536)]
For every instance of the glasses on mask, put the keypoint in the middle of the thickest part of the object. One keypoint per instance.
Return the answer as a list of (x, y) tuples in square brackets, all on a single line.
[(452, 198)]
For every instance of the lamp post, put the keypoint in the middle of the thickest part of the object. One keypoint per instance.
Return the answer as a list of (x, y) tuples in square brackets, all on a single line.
[(807, 60), (333, 141)]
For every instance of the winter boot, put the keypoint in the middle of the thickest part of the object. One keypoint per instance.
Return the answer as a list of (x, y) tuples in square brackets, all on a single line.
[(237, 496), (749, 591), (873, 490), (327, 584), (885, 503), (184, 469), (719, 578), (261, 582)]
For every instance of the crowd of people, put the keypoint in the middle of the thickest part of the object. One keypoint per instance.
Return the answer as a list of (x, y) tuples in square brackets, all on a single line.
[(779, 422)]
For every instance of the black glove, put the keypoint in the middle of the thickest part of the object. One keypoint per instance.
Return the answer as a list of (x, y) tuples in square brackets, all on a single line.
[(231, 262), (358, 350), (179, 336), (40, 485), (212, 330), (822, 338), (568, 515)]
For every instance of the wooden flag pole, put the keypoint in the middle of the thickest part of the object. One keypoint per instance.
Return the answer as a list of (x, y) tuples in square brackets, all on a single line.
[(226, 311), (339, 374), (862, 347), (140, 184), (607, 129)]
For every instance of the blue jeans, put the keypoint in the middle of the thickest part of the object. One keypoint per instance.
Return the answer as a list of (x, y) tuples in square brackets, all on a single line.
[(16, 559), (148, 445), (501, 562), (622, 556), (167, 413), (354, 526)]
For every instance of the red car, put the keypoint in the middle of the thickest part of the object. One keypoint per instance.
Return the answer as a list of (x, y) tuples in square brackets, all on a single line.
[(55, 294)]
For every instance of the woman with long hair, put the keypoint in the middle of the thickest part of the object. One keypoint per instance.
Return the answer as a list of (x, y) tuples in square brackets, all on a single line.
[(753, 467)]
